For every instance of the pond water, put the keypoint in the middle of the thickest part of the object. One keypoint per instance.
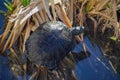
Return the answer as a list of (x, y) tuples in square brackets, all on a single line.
[(95, 67), (2, 7)]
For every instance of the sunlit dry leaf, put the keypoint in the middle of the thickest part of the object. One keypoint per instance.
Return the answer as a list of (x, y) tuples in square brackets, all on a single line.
[(25, 67), (14, 53), (101, 4), (70, 13), (16, 70), (13, 36), (95, 26), (80, 0), (26, 34), (90, 5), (61, 14), (36, 23), (20, 42), (5, 34), (45, 15), (17, 32), (7, 43), (104, 26), (103, 15), (46, 5), (114, 8), (39, 18), (21, 12), (116, 26), (81, 13), (33, 11), (53, 9), (42, 16)]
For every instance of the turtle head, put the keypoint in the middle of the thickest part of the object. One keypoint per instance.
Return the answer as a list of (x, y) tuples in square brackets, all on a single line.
[(77, 30)]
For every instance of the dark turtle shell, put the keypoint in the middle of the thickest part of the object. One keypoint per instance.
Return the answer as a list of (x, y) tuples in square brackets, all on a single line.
[(49, 44)]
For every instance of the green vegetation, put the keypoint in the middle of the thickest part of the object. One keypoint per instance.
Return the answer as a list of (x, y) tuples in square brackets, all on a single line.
[(2, 12), (25, 2), (115, 39), (9, 6)]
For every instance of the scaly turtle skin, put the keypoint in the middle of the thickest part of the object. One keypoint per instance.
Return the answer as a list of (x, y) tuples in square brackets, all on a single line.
[(50, 43)]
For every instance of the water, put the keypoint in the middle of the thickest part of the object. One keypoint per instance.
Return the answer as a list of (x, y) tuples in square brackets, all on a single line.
[(4, 68), (96, 67), (2, 7), (5, 73)]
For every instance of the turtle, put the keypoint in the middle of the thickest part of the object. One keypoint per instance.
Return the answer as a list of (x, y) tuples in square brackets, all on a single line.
[(50, 43)]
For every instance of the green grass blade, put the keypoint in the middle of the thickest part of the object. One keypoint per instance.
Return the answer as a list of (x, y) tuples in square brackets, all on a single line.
[(2, 12), (9, 7), (7, 2), (25, 2), (113, 38)]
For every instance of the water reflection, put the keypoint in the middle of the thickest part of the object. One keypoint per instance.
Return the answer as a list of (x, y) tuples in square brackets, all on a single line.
[(5, 72), (96, 67)]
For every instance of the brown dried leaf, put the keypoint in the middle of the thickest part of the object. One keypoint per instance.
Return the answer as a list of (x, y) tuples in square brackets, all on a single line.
[(46, 16), (17, 32), (7, 43), (62, 15), (14, 36), (114, 8), (26, 34), (103, 15), (95, 25), (14, 53), (101, 4), (90, 5), (38, 18), (20, 42), (53, 9), (46, 6), (81, 14), (42, 16), (104, 26), (5, 34), (70, 14), (36, 23)]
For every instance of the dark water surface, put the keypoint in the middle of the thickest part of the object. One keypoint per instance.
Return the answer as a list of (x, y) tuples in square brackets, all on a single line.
[(2, 7), (96, 67)]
